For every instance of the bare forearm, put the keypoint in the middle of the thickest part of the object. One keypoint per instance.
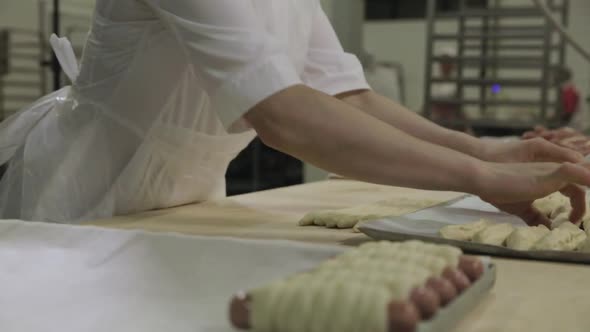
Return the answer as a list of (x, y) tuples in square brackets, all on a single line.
[(405, 120), (339, 138)]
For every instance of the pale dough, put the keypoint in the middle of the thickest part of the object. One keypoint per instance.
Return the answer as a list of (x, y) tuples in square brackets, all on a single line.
[(565, 237), (585, 246), (586, 223), (549, 204), (463, 232), (523, 238), (560, 219), (355, 288), (495, 234), (351, 217), (560, 210), (557, 208)]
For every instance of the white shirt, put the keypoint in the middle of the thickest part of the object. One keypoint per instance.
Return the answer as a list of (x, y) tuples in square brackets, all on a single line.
[(155, 115)]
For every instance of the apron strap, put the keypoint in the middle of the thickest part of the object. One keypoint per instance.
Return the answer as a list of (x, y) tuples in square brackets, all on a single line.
[(15, 129), (65, 55)]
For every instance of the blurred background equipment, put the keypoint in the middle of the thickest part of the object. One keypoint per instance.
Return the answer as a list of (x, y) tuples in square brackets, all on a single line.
[(21, 79), (27, 67), (506, 57), (561, 29), (65, 18)]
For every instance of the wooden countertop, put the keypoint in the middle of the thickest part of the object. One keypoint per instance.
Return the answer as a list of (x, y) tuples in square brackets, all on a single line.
[(528, 296)]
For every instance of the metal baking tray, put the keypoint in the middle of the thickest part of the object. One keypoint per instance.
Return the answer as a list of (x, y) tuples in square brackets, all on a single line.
[(449, 316), (425, 225)]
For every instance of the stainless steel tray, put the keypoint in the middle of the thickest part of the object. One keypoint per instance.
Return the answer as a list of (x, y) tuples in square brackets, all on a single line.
[(448, 317), (425, 225)]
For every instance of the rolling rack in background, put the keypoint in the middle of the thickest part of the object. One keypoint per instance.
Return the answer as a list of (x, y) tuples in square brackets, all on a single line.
[(505, 64), (21, 78), (66, 18), (26, 58), (28, 69)]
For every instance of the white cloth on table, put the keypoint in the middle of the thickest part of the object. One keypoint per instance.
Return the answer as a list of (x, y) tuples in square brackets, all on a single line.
[(64, 278)]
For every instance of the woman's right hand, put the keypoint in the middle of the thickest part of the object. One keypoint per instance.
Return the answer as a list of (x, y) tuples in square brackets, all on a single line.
[(551, 135), (513, 187)]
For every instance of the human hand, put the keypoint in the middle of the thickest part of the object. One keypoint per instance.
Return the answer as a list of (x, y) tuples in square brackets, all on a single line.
[(580, 144), (513, 187), (532, 150), (565, 137), (551, 135)]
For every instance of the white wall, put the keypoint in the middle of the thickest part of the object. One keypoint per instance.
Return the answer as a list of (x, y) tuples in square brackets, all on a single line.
[(24, 13), (403, 42), (18, 13)]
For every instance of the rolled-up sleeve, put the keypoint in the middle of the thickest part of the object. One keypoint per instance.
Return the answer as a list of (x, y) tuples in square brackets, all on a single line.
[(233, 57), (328, 67)]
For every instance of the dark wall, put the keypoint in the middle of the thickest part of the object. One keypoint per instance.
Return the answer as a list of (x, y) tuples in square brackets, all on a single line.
[(411, 9), (260, 167)]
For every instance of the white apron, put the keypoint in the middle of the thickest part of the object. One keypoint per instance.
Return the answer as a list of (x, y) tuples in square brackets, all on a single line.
[(154, 115), (77, 180)]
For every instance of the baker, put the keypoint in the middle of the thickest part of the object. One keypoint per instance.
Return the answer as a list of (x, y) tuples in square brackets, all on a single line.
[(168, 93)]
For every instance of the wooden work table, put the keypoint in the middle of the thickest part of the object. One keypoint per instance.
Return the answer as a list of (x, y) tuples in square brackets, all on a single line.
[(528, 296)]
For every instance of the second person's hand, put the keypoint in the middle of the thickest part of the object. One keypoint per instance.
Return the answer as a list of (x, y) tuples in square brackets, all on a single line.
[(532, 150)]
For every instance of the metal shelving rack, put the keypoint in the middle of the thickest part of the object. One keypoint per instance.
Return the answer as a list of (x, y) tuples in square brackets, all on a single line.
[(66, 18), (491, 43), (20, 79), (26, 57)]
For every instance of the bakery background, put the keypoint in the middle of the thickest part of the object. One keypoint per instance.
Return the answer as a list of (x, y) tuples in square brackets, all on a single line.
[(505, 77)]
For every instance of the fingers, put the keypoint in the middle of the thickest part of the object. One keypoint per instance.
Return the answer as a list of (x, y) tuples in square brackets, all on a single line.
[(533, 217), (551, 135), (527, 212), (574, 173), (577, 196), (539, 129), (584, 150), (580, 144), (573, 141), (536, 132), (548, 135), (529, 135), (566, 132), (547, 151)]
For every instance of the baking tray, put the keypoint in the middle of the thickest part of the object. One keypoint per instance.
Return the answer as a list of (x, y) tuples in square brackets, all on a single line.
[(448, 317), (425, 225)]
